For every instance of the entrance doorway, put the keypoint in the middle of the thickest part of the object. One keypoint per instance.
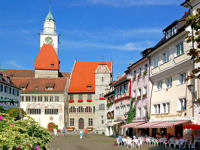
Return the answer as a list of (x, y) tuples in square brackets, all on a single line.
[(81, 123)]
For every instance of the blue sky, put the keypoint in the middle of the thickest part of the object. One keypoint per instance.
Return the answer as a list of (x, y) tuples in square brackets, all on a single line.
[(90, 30)]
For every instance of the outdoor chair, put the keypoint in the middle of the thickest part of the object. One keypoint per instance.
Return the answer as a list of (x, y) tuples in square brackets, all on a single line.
[(130, 143), (171, 142), (177, 143), (119, 143), (191, 144)]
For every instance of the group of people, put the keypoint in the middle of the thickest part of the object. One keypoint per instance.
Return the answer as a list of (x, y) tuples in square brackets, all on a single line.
[(85, 132), (55, 131)]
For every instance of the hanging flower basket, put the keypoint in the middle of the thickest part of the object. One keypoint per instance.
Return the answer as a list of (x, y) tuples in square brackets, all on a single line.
[(144, 95), (133, 99), (80, 100), (89, 100), (134, 77), (71, 101), (145, 73), (138, 97), (102, 98), (139, 76)]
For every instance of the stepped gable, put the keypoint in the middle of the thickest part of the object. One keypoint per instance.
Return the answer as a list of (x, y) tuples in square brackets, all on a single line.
[(83, 76), (47, 59)]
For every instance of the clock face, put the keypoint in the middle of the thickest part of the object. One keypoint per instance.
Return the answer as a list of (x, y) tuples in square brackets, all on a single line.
[(48, 40)]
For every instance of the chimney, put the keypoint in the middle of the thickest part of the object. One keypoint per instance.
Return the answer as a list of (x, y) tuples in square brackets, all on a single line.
[(118, 76)]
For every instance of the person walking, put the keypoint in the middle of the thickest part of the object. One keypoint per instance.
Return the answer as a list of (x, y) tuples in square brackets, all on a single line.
[(63, 131), (86, 132), (55, 131), (81, 134)]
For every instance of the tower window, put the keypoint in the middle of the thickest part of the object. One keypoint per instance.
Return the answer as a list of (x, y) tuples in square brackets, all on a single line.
[(52, 65)]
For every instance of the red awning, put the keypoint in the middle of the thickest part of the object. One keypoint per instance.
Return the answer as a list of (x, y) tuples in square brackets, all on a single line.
[(147, 125), (162, 124), (132, 125), (191, 126), (169, 124)]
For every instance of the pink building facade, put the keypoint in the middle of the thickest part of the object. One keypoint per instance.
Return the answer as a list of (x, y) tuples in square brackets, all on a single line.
[(141, 88)]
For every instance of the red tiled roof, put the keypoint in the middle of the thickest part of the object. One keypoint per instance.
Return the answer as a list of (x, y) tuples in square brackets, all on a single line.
[(83, 75), (40, 84), (18, 73), (47, 59), (116, 81), (13, 73)]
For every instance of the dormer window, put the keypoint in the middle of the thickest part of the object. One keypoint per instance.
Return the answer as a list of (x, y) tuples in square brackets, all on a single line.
[(50, 86), (52, 65), (23, 86), (8, 79), (89, 87), (171, 32)]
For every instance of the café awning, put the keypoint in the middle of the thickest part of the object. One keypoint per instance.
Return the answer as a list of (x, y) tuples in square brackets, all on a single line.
[(114, 123), (132, 124), (191, 126), (162, 124)]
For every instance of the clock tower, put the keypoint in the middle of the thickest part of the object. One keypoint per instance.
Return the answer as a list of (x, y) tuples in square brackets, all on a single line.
[(49, 35)]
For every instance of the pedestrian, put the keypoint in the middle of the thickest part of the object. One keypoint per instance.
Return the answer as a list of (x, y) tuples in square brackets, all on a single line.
[(81, 134), (86, 132), (63, 131), (55, 131)]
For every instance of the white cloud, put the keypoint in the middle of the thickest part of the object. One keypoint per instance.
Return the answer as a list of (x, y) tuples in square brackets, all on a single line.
[(128, 3), (129, 46), (14, 64), (112, 33)]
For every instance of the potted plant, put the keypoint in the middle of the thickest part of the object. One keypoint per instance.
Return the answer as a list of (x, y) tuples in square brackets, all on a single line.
[(71, 101), (145, 73), (134, 77), (144, 95), (139, 75), (89, 100), (133, 98), (138, 97), (80, 100)]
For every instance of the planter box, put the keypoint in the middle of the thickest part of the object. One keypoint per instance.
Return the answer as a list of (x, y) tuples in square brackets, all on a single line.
[(80, 100)]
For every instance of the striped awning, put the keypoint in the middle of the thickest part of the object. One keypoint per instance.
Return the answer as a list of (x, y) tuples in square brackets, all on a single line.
[(133, 124), (163, 124)]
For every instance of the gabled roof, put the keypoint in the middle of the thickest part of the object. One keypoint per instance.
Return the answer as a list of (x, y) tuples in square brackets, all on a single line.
[(14, 73), (41, 84), (83, 76), (18, 73), (119, 81), (181, 25), (47, 59)]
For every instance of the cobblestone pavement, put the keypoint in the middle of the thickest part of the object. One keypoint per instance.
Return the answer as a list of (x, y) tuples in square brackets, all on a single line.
[(93, 142)]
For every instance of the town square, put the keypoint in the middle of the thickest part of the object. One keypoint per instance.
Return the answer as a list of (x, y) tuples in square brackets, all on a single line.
[(100, 74)]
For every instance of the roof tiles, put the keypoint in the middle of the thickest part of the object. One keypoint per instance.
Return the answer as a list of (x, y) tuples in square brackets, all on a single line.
[(83, 76)]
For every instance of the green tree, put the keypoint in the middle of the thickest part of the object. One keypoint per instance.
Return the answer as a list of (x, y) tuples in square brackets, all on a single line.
[(132, 112), (26, 134), (193, 20), (17, 113), (2, 109)]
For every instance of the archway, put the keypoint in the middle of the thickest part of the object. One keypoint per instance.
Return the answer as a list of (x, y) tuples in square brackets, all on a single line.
[(51, 126), (81, 123)]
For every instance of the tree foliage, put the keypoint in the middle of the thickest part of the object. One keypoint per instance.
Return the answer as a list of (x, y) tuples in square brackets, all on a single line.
[(22, 134), (193, 20), (17, 113), (132, 112)]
